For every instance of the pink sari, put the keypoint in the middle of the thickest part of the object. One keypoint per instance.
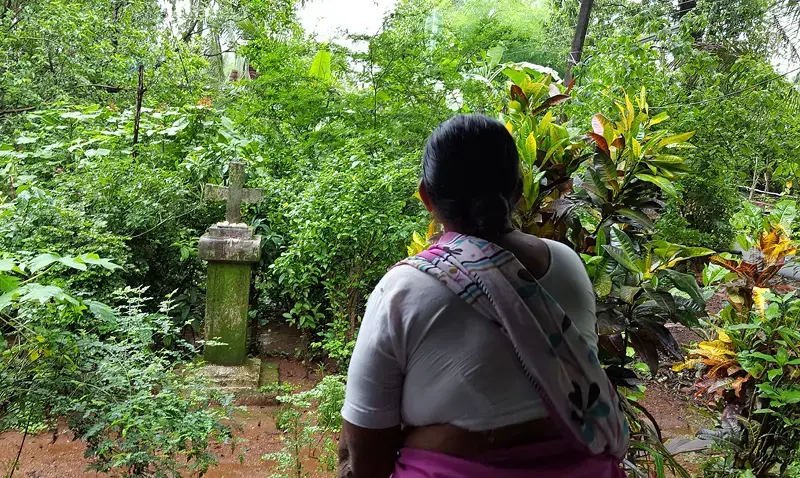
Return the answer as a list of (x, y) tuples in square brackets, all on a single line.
[(538, 460), (560, 364)]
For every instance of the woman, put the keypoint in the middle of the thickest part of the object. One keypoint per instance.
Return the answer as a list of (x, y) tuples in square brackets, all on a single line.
[(478, 357)]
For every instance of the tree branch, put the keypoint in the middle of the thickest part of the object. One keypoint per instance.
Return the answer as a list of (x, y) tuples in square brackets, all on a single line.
[(14, 111)]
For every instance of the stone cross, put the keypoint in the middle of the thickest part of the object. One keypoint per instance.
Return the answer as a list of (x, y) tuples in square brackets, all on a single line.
[(235, 194), (230, 248)]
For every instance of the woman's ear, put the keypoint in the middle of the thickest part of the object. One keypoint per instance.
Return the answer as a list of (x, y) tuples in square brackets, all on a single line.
[(426, 199)]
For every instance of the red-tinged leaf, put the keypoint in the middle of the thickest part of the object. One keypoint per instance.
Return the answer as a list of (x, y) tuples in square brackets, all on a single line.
[(619, 143), (517, 94), (601, 142), (570, 86), (737, 384), (552, 101)]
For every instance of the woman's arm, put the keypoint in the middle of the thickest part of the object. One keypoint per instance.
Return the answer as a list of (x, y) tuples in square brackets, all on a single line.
[(371, 434), (366, 453)]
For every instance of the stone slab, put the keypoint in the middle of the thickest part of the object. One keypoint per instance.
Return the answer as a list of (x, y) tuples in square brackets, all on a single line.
[(235, 378), (224, 229), (220, 248)]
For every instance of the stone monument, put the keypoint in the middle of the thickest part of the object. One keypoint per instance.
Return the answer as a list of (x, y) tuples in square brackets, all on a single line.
[(230, 247)]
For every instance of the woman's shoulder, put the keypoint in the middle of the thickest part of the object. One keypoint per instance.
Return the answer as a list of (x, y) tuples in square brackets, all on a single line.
[(404, 278), (406, 288), (562, 253)]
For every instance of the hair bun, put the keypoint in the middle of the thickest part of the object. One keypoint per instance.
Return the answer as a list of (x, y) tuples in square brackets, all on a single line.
[(488, 215)]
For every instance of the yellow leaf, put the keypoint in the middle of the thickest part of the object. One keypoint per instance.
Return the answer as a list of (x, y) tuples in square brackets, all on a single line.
[(629, 108), (509, 127), (643, 101), (775, 246), (677, 139), (758, 298), (636, 147), (688, 363), (416, 195), (715, 350), (530, 145), (724, 337), (431, 230), (418, 244), (659, 118)]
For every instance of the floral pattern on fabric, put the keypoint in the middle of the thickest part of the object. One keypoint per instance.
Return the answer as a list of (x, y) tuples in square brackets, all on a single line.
[(570, 381)]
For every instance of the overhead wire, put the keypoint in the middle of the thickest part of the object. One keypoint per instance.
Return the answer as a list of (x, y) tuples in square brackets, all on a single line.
[(728, 95)]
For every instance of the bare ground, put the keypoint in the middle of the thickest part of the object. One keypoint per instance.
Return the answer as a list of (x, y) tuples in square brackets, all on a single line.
[(57, 456)]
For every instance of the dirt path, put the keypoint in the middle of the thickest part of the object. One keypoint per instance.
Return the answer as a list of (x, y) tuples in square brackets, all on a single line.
[(59, 456)]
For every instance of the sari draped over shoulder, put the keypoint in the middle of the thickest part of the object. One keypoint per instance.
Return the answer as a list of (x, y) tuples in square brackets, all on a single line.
[(562, 367)]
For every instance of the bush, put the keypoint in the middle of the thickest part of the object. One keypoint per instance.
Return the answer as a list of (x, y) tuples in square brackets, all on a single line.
[(348, 226), (108, 371), (310, 422)]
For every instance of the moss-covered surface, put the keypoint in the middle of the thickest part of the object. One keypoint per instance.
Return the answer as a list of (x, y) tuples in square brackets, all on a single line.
[(226, 313)]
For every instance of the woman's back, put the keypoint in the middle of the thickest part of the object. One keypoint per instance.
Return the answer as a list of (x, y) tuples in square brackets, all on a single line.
[(462, 347), (456, 366)]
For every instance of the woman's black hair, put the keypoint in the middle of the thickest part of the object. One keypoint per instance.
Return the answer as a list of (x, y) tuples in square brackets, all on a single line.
[(470, 170)]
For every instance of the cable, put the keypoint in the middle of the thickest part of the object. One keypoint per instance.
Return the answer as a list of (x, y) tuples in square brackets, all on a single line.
[(727, 95)]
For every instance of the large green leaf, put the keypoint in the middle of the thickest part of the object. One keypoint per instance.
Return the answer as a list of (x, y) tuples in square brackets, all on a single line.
[(602, 281), (662, 299), (8, 283), (621, 258), (670, 252), (625, 243), (72, 262), (7, 298), (100, 309), (638, 216), (495, 55), (321, 66), (688, 311), (677, 139), (663, 183), (517, 76), (6, 265), (41, 261), (94, 259), (686, 283), (90, 153), (784, 213)]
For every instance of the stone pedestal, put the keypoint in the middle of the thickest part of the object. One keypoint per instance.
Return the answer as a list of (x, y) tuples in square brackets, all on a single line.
[(230, 249), (245, 381)]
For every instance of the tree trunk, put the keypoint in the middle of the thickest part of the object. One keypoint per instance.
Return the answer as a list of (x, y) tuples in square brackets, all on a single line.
[(139, 95), (575, 53)]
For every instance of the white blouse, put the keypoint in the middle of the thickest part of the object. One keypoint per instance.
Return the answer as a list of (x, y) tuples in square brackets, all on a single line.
[(424, 356)]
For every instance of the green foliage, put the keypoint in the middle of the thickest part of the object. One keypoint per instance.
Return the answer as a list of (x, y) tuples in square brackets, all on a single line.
[(333, 135), (60, 50), (549, 156), (310, 422), (347, 227), (108, 371), (751, 373)]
